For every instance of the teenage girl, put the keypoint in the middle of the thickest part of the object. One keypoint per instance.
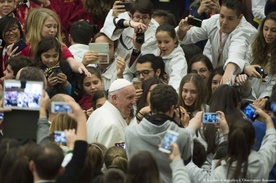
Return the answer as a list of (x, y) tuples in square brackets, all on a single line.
[(192, 94)]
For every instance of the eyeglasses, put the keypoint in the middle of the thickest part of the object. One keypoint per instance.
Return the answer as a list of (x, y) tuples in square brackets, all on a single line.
[(143, 72), (12, 29), (137, 18)]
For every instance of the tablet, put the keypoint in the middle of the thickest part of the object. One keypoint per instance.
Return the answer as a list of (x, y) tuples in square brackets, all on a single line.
[(103, 52), (22, 95)]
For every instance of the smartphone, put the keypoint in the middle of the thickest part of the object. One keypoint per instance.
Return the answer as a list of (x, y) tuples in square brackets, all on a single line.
[(56, 70), (209, 118), (21, 44), (1, 115), (127, 5), (59, 136), (250, 111), (194, 21), (137, 84), (261, 72), (169, 138), (103, 52), (60, 107), (120, 144), (273, 106)]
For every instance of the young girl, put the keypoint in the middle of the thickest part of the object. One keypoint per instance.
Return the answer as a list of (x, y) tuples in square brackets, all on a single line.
[(264, 56), (58, 72), (192, 94), (172, 54), (40, 23), (89, 85)]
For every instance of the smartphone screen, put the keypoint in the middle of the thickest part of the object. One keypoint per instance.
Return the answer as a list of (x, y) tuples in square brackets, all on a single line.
[(120, 144), (59, 136), (210, 118), (194, 21), (250, 112), (60, 107), (169, 138)]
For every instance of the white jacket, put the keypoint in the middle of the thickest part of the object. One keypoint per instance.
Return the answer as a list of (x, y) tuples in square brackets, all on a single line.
[(106, 126), (109, 75), (235, 46), (125, 35), (175, 66)]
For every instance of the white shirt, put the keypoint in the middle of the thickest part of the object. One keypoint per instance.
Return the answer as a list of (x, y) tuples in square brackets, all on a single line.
[(175, 66)]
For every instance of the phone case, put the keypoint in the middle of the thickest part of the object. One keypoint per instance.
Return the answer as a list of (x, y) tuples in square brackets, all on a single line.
[(21, 44), (194, 21), (127, 5), (103, 51)]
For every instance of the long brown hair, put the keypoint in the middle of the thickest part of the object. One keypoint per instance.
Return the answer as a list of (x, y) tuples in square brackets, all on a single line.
[(260, 49)]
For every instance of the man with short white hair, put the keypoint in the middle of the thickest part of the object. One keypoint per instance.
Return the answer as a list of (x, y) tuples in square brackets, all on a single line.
[(107, 124)]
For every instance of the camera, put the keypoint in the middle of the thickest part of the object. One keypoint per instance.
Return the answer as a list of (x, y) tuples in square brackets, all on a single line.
[(140, 38)]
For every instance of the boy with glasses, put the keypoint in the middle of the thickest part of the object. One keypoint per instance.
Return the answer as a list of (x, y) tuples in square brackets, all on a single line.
[(150, 66)]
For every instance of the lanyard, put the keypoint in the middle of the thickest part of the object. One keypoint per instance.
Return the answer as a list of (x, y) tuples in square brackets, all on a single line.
[(222, 41)]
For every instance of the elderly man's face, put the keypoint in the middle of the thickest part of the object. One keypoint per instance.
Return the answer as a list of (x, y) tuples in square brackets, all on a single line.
[(125, 99)]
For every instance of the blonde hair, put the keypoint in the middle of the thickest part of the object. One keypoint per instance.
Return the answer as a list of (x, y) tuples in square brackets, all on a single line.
[(62, 122), (34, 24)]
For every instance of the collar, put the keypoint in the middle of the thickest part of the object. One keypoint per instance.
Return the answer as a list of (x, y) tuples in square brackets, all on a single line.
[(159, 119)]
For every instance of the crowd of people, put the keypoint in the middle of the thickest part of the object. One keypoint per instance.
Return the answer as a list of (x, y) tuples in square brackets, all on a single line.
[(189, 71)]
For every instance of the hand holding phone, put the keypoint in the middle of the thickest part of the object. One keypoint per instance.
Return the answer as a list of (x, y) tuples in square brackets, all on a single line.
[(169, 138), (250, 112)]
